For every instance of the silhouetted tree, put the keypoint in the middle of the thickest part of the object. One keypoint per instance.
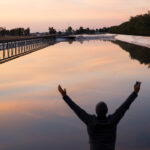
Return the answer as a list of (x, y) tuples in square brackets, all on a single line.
[(52, 30), (59, 32), (80, 30), (69, 30), (27, 31), (17, 32), (2, 31), (138, 25), (14, 32)]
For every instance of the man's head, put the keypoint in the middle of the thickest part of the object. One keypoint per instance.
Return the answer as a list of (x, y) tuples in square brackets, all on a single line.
[(101, 109)]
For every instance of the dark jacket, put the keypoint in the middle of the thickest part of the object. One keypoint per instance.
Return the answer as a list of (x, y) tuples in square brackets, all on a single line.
[(101, 131)]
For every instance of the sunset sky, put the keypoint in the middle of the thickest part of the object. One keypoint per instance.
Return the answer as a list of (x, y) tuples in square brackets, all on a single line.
[(40, 14)]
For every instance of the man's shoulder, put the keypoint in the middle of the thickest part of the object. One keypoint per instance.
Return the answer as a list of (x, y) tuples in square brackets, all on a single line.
[(110, 117)]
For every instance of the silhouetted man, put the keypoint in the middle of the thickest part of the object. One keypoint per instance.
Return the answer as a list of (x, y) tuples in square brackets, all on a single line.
[(101, 128)]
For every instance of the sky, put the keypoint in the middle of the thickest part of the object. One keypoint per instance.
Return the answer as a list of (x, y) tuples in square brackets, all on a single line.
[(41, 14)]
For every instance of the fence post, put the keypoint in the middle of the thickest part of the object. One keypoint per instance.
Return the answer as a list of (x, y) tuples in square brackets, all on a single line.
[(3, 50)]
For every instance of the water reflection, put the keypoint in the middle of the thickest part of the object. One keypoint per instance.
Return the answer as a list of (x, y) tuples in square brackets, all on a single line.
[(33, 115), (142, 54)]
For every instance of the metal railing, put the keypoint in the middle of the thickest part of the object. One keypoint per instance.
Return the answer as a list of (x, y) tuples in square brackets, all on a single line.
[(14, 49)]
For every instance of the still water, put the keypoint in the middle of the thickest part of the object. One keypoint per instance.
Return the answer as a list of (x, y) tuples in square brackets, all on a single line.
[(33, 115)]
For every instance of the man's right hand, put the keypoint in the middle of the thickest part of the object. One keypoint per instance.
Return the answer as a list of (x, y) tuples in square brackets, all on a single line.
[(137, 87), (63, 92)]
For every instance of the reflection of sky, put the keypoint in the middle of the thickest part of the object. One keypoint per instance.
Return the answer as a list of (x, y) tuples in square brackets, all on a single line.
[(32, 114)]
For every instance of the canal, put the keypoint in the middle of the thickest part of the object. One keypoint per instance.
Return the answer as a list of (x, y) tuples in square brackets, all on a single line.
[(33, 115)]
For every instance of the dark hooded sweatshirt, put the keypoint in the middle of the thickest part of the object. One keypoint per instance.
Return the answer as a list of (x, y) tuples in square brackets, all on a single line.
[(101, 130)]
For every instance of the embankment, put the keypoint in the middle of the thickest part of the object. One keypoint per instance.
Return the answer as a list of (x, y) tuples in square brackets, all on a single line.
[(137, 40)]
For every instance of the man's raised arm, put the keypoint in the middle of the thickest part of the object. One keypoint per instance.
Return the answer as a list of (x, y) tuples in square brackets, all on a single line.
[(85, 117), (119, 113)]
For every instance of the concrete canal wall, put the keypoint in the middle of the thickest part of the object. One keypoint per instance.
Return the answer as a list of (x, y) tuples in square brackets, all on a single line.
[(137, 40)]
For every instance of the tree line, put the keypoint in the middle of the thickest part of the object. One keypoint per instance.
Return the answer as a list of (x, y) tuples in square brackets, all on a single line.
[(70, 31), (138, 25), (14, 32)]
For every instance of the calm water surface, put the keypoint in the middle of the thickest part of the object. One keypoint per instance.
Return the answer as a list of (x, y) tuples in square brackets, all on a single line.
[(34, 117)]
